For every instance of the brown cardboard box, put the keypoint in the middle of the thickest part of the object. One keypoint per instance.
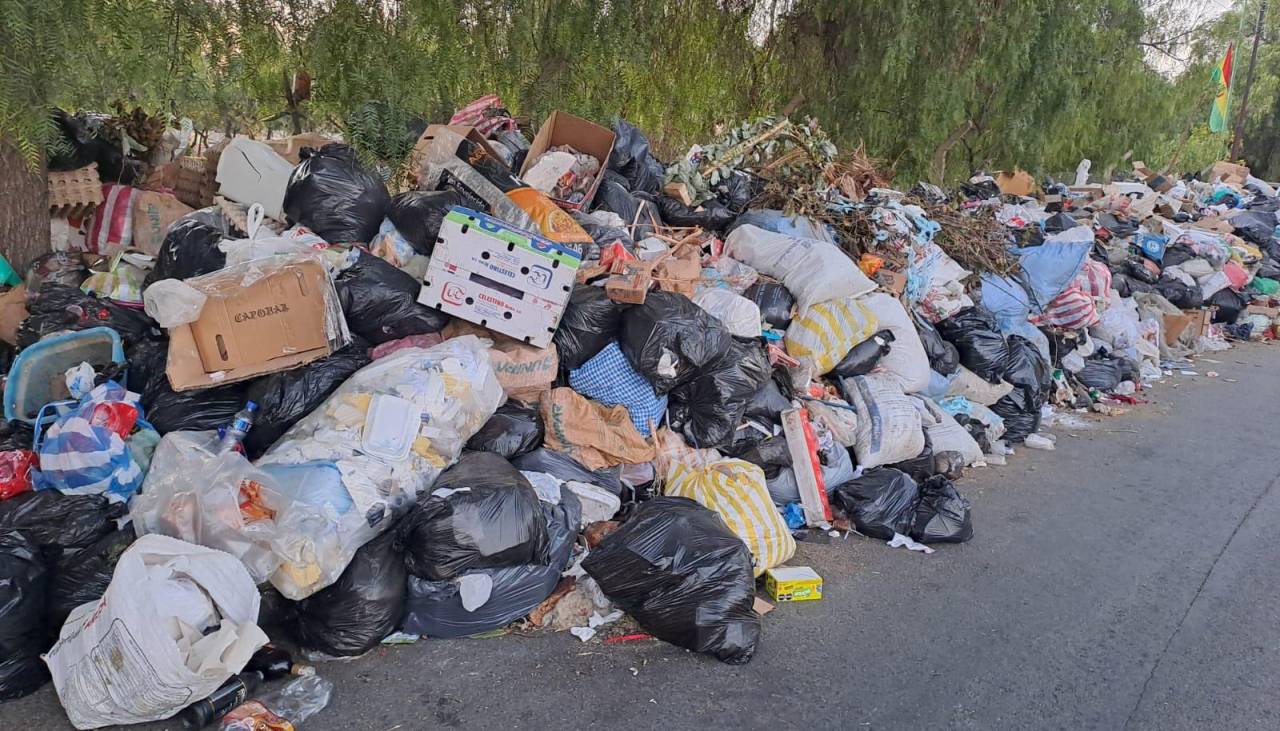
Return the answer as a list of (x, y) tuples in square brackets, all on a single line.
[(630, 284), (421, 153), (1215, 224), (1018, 182), (1200, 320), (680, 270), (278, 322), (1226, 172), (1154, 180), (153, 214), (290, 148), (1173, 326), (562, 128), (1089, 192), (1269, 312)]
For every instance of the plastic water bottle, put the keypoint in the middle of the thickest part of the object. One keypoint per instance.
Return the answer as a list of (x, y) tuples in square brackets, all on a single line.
[(232, 436)]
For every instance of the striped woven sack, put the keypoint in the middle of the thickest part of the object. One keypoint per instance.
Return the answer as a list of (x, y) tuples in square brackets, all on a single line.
[(828, 331), (735, 489)]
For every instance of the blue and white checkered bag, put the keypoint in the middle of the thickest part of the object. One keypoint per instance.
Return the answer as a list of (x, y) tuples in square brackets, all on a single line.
[(79, 458), (610, 379)]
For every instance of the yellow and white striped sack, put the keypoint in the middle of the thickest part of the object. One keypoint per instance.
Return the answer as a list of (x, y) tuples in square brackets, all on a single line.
[(736, 490), (826, 333)]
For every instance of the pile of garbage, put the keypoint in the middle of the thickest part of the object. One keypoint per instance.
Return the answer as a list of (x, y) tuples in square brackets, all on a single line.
[(258, 401)]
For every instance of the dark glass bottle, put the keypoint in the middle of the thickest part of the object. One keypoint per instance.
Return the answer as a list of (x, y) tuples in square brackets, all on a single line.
[(229, 695)]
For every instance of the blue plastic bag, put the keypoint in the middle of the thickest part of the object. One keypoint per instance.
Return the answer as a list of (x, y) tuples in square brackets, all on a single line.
[(79, 457)]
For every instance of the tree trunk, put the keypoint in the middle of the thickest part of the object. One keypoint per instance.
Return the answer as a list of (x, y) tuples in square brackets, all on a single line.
[(24, 209)]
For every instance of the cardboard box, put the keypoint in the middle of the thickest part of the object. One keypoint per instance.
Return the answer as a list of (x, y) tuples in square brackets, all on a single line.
[(285, 319), (1228, 173), (290, 148), (1268, 312), (631, 283), (1172, 327), (679, 270), (590, 138), (422, 148), (1154, 180), (251, 172), (1018, 182), (1088, 192), (508, 280), (792, 584), (445, 158), (1199, 321)]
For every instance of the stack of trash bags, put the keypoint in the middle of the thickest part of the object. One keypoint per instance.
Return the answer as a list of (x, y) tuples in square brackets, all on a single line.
[(716, 381)]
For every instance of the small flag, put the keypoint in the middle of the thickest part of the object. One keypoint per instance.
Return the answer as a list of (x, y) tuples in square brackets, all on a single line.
[(1221, 76)]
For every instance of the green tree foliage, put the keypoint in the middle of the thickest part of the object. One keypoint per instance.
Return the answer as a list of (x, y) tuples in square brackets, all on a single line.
[(977, 83)]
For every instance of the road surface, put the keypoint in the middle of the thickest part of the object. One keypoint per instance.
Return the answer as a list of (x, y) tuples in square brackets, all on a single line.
[(1127, 580)]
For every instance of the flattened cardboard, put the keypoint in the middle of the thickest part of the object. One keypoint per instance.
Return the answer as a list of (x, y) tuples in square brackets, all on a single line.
[(186, 372), (1227, 172), (280, 315), (562, 128), (1019, 182)]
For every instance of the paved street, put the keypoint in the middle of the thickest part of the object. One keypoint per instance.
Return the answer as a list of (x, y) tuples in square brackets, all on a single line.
[(1127, 580)]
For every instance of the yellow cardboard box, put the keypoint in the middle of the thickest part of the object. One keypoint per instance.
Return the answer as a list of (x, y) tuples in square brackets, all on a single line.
[(792, 584)]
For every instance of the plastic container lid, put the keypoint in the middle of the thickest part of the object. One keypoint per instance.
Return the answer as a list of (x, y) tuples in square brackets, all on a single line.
[(390, 427)]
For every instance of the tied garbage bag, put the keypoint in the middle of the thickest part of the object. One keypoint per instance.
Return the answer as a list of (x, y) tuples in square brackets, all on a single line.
[(168, 410), (482, 514), (774, 301), (1031, 377), (976, 337), (56, 308), (590, 322), (609, 379), (513, 430), (671, 340), (440, 609), (284, 398), (81, 455), (380, 302), (22, 614), (363, 606), (389, 431), (598, 436), (84, 575), (333, 195), (568, 469), (638, 213), (632, 159), (944, 359), (708, 409), (1104, 373), (58, 521), (881, 503), (736, 491), (826, 332), (942, 515), (890, 428), (190, 247), (684, 576), (417, 215), (177, 620), (712, 215), (813, 271)]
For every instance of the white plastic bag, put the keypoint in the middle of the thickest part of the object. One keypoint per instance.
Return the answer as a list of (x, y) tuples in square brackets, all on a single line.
[(813, 271), (739, 314), (173, 302), (453, 388), (175, 623), (906, 358), (889, 426)]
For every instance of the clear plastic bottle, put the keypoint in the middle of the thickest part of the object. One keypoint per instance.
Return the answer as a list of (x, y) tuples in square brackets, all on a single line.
[(234, 433)]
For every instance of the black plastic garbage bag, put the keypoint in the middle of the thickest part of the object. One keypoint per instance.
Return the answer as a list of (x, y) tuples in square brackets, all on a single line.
[(513, 430), (864, 356), (492, 519), (417, 215), (1230, 304), (768, 403), (1103, 374), (434, 608), (380, 302), (333, 195), (1031, 377), (590, 321), (24, 581), (190, 248), (764, 452), (775, 302), (1254, 226), (1126, 285), (930, 463), (684, 576), (981, 346), (1059, 222), (670, 340), (944, 359), (942, 515), (168, 410), (56, 307), (84, 143), (1119, 227), (1135, 267), (15, 434), (712, 216), (568, 469), (640, 215), (351, 616), (1178, 293), (881, 502), (632, 159), (709, 408), (57, 521), (602, 235), (284, 398), (1177, 253), (83, 576), (737, 190)]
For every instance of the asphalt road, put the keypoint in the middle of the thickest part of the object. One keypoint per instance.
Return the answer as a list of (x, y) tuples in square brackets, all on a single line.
[(1126, 580)]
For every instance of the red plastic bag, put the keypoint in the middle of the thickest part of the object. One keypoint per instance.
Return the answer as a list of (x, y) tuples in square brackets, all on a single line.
[(15, 472), (117, 416)]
